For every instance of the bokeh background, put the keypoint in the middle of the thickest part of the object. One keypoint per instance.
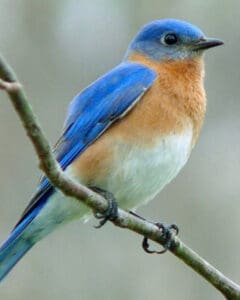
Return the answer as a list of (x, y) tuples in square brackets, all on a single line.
[(57, 48)]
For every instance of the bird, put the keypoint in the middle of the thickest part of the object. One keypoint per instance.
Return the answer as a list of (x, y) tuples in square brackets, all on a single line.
[(129, 133)]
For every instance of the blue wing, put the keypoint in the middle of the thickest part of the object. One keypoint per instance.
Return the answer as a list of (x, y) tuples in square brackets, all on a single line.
[(98, 106), (92, 112)]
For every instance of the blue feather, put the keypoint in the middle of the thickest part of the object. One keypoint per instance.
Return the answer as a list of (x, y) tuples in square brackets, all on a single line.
[(99, 105), (17, 244), (93, 110), (90, 114)]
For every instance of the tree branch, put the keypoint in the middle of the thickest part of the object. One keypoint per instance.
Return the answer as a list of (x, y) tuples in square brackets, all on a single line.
[(51, 168)]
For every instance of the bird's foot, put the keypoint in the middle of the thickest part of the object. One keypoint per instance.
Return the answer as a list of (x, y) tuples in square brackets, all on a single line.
[(111, 212), (168, 233)]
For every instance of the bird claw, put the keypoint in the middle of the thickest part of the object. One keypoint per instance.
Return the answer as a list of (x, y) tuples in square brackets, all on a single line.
[(111, 212), (168, 233)]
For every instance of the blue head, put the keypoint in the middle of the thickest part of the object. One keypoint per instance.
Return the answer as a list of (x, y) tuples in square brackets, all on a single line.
[(170, 39)]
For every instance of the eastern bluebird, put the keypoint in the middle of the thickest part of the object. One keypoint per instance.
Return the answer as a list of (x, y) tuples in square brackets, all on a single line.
[(129, 132)]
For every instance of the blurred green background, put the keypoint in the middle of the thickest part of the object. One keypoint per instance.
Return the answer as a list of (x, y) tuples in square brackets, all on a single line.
[(57, 48)]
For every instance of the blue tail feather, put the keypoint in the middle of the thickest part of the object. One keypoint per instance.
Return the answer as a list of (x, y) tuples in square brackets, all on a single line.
[(10, 255), (16, 245)]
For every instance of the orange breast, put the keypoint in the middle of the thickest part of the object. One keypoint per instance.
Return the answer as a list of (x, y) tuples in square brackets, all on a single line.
[(175, 102), (178, 94)]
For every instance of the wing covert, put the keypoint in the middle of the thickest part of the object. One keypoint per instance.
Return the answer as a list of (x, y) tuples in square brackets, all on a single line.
[(92, 111)]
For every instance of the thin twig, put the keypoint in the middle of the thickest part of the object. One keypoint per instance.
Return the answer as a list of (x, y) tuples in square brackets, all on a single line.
[(69, 187)]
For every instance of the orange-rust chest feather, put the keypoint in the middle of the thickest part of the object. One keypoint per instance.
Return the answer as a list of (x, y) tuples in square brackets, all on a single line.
[(176, 100), (174, 105)]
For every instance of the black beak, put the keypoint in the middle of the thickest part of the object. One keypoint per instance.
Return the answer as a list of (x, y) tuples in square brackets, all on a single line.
[(207, 43)]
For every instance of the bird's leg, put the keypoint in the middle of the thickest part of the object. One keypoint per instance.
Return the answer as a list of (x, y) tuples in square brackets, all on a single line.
[(168, 233), (111, 212)]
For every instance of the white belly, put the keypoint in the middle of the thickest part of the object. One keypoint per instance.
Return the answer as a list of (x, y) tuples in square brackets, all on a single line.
[(141, 173), (137, 176)]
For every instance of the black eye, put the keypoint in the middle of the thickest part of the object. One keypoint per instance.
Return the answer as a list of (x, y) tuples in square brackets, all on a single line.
[(170, 39)]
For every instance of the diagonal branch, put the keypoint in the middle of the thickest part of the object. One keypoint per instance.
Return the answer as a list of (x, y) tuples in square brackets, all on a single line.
[(51, 168)]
